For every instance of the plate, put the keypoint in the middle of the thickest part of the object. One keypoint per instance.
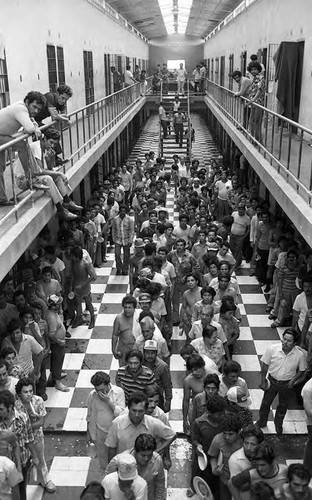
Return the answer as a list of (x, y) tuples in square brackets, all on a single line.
[(202, 458), (202, 489)]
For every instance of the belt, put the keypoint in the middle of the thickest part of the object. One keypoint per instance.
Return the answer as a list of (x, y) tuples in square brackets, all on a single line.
[(280, 382)]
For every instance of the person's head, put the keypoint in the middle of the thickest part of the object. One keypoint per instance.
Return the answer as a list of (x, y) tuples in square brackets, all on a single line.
[(207, 293), (3, 373), (261, 491), (212, 266), (101, 382), (224, 248), (64, 93), (228, 307), (76, 254), (27, 315), (7, 401), (147, 328), (19, 299), (191, 280), (180, 244), (9, 356), (223, 281), (187, 350), (51, 137), (252, 436), (93, 491), (215, 406), (128, 67), (14, 331), (128, 304), (137, 405), (254, 68), (230, 426), (123, 210), (237, 75), (206, 314), (263, 458), (241, 209), (3, 298), (231, 372), (196, 365), (153, 396), (298, 478), (134, 360), (144, 446), (34, 101), (290, 339), (211, 384), (307, 284), (210, 334), (150, 351), (25, 389)]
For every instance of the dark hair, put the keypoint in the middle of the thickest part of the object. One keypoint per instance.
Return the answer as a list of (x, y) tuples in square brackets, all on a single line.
[(254, 65), (129, 299), (52, 133), (64, 89), (145, 442), (183, 216), (236, 73), (253, 430), (6, 351), (227, 305), (7, 399), (137, 397), (146, 314), (152, 390), (261, 491), (154, 288), (254, 57), (264, 451), (180, 240), (100, 378), (26, 310), (307, 278), (93, 491), (231, 422), (14, 324), (149, 262), (195, 361), (212, 378), (76, 251), (134, 353), (35, 96), (293, 332), (46, 269), (22, 383), (208, 289), (149, 249), (216, 404), (187, 349), (231, 366), (208, 331), (298, 470)]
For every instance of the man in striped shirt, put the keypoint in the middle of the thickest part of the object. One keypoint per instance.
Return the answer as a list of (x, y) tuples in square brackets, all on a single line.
[(134, 376)]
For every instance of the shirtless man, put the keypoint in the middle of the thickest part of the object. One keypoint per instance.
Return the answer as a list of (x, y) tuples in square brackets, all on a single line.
[(82, 275), (123, 338), (189, 299), (193, 384)]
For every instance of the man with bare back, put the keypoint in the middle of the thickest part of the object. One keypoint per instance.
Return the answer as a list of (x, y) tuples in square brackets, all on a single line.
[(123, 338)]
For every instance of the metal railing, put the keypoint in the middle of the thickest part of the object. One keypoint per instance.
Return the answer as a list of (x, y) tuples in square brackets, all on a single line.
[(284, 143), (189, 125), (89, 125)]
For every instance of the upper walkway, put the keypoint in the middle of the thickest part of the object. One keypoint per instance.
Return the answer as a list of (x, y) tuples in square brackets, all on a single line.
[(282, 159)]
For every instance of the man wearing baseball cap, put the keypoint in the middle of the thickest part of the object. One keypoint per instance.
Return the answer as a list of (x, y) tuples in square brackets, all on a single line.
[(125, 483), (161, 371)]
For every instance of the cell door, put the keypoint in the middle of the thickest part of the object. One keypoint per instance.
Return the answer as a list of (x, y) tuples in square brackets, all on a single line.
[(271, 84), (222, 70)]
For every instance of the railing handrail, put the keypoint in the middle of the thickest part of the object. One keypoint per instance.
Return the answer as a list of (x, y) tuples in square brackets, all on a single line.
[(277, 115)]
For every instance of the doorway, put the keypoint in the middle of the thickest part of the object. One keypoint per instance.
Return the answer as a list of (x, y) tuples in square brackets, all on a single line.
[(173, 64)]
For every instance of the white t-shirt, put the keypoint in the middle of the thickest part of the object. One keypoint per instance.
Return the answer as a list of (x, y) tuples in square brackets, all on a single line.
[(223, 189), (128, 77), (301, 306), (9, 477), (181, 74), (113, 492)]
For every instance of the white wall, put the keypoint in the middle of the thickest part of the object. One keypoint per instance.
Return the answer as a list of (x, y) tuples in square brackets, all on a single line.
[(27, 26), (265, 22)]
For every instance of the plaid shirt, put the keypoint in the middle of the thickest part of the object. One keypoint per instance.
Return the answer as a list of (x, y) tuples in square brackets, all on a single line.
[(21, 427), (123, 230), (183, 265)]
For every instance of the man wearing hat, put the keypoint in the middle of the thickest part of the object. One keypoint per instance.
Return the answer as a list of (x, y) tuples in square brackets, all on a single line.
[(147, 325), (161, 371), (138, 255), (125, 483)]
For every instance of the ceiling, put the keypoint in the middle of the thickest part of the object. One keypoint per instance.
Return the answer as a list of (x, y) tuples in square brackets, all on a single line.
[(146, 16)]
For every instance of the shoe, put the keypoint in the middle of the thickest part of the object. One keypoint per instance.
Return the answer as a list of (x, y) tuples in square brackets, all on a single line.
[(104, 259), (252, 274), (6, 203), (267, 289), (279, 429), (61, 387), (272, 316), (63, 375), (66, 215), (43, 396), (91, 325), (50, 487), (68, 335), (275, 324), (269, 309), (72, 206), (77, 322), (260, 424)]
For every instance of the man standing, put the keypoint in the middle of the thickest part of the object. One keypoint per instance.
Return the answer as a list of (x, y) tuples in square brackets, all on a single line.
[(127, 427), (196, 74), (147, 325), (129, 80), (181, 77), (123, 338), (163, 119), (12, 118), (161, 371), (116, 79), (134, 376), (239, 231), (127, 182), (123, 234), (126, 483), (178, 120), (55, 106), (243, 84), (7, 313), (7, 382), (82, 275), (286, 364), (104, 403), (202, 78)]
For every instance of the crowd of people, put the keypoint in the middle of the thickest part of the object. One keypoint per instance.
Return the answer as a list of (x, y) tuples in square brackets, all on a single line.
[(162, 77)]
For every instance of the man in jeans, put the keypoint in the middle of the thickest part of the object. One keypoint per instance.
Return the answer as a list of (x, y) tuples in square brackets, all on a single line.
[(286, 365), (12, 118), (239, 231), (123, 234)]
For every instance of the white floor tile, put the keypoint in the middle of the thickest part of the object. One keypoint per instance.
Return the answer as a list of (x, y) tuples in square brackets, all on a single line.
[(176, 335), (177, 364), (256, 397), (103, 271), (81, 332), (112, 298), (247, 280), (98, 287), (99, 346), (34, 492), (76, 419), (248, 362), (58, 399), (177, 425), (242, 309), (296, 416), (77, 466), (118, 280), (105, 319), (245, 333), (177, 396), (260, 320), (253, 298), (262, 345), (73, 361)]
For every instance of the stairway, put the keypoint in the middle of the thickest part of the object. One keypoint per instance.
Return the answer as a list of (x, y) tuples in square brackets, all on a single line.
[(170, 147)]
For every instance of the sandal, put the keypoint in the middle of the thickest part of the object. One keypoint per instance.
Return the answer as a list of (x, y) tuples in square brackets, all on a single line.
[(190, 493)]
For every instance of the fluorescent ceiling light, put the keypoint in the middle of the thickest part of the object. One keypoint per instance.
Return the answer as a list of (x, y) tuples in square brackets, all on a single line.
[(182, 12)]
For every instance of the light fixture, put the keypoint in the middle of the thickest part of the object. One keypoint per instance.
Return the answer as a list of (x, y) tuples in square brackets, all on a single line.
[(172, 8)]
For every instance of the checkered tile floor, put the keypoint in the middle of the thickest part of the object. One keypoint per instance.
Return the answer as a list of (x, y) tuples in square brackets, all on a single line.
[(90, 350)]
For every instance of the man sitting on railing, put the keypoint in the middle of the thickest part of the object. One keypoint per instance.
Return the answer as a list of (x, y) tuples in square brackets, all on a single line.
[(55, 183), (12, 119)]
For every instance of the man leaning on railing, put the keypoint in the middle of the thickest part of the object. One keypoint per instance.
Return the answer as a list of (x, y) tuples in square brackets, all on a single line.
[(12, 118)]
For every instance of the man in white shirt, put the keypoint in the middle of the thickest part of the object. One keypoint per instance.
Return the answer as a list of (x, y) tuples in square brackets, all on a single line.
[(163, 119), (202, 77), (286, 364), (126, 483), (129, 80), (181, 77), (9, 479), (239, 231)]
